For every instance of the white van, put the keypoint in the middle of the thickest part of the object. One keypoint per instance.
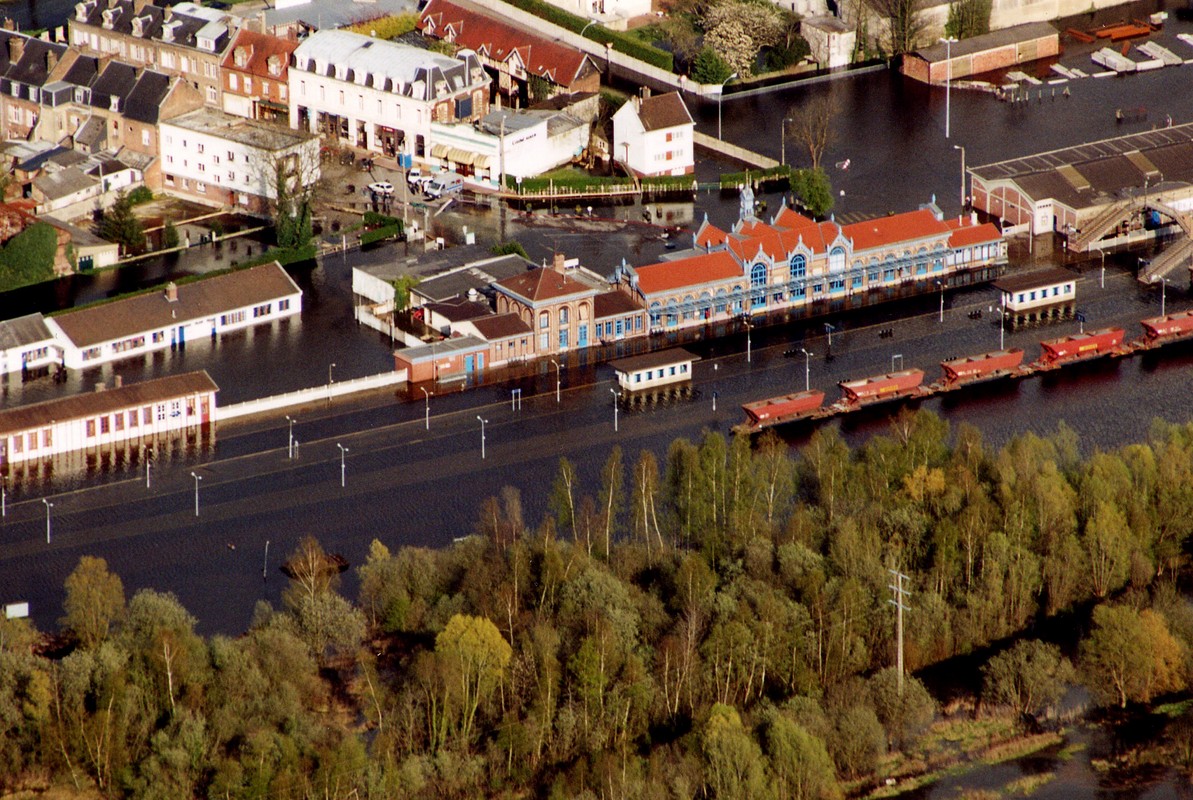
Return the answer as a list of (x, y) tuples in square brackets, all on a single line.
[(445, 183)]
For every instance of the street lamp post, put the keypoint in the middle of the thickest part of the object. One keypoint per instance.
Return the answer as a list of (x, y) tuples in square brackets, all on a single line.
[(427, 399), (714, 400), (330, 367), (614, 393), (748, 349), (49, 505), (590, 23), (343, 468), (1002, 320), (961, 147), (3, 495), (1102, 280), (941, 285), (148, 466), (483, 421), (807, 369), (1163, 286), (720, 97), (290, 441), (197, 478), (558, 379), (948, 44)]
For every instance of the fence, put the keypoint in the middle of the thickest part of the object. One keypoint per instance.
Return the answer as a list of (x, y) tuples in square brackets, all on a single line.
[(311, 395)]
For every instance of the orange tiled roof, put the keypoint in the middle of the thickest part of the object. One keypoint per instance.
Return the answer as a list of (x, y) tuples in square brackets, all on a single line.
[(261, 46), (694, 271), (710, 235), (543, 284), (905, 227), (966, 234)]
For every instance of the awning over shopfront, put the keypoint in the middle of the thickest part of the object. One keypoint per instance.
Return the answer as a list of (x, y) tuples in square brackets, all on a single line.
[(458, 156), (439, 151)]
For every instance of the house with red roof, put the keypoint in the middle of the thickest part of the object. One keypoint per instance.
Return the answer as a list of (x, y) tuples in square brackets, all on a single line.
[(254, 74), (527, 67), (794, 261), (654, 136)]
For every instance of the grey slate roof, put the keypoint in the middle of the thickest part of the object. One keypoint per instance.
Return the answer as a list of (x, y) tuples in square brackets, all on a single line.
[(22, 331), (185, 24), (63, 182), (388, 66), (144, 102)]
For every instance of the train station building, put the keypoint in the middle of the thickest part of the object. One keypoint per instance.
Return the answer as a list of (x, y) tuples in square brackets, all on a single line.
[(794, 262)]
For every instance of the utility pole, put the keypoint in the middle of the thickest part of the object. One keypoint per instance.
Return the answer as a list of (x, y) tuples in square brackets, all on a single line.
[(899, 593)]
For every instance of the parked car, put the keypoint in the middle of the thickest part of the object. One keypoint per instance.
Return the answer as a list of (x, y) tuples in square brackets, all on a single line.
[(383, 188), (444, 183), (418, 179)]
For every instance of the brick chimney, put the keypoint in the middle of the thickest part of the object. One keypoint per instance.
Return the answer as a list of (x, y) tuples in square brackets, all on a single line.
[(51, 60), (558, 265), (171, 292), (16, 48)]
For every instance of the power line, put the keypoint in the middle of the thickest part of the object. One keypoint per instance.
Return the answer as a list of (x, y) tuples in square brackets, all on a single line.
[(897, 601)]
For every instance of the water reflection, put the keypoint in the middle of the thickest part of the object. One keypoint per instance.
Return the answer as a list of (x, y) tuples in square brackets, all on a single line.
[(79, 468)]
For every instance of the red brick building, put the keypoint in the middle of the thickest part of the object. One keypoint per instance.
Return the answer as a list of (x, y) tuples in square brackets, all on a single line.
[(254, 75), (1000, 49)]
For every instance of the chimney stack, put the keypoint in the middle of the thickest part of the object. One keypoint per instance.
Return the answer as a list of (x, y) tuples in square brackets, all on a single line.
[(51, 59), (16, 48), (171, 292), (99, 386), (119, 381), (139, 6), (559, 259)]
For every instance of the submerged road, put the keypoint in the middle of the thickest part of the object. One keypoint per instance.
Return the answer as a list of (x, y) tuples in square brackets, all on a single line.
[(407, 485)]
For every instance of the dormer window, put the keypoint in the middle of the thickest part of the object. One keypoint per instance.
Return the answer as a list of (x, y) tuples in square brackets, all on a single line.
[(114, 103), (240, 57), (81, 10), (138, 26), (204, 43), (109, 16), (340, 72), (274, 64)]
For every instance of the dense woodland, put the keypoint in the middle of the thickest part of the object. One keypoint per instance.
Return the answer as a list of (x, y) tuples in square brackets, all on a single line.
[(717, 625)]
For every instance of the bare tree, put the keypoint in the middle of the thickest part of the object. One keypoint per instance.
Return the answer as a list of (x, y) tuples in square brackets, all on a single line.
[(811, 125), (905, 23)]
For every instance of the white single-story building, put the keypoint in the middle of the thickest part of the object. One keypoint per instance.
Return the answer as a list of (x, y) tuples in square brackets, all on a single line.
[(651, 370), (521, 144), (168, 319), (1037, 289), (26, 343), (107, 417)]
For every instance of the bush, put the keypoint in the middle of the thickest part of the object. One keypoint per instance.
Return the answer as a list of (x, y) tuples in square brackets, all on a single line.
[(710, 68), (28, 257), (775, 177), (390, 27), (140, 195), (169, 236)]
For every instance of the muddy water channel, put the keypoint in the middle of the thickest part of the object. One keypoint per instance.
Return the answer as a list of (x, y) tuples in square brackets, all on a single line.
[(1075, 768)]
